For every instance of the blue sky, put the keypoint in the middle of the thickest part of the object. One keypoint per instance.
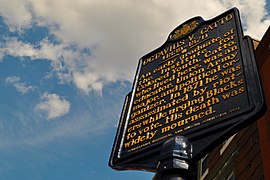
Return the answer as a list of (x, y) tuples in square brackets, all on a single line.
[(65, 69)]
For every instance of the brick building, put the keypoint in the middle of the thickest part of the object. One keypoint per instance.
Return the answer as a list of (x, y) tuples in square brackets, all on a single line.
[(245, 155)]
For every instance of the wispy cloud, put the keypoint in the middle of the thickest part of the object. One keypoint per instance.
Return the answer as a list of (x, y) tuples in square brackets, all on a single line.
[(53, 106), (90, 52), (20, 86), (123, 32)]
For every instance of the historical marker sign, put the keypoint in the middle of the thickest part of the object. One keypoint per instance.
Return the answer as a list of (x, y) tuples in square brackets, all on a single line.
[(202, 83)]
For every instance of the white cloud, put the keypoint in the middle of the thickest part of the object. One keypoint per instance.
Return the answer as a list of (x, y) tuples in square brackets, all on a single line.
[(254, 15), (88, 81), (17, 15), (53, 105), (20, 87), (117, 32)]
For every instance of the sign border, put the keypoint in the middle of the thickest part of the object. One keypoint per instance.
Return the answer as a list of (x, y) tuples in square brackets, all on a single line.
[(148, 160)]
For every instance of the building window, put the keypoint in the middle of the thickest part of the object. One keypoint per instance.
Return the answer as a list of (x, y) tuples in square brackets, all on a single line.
[(226, 144), (203, 167), (231, 176)]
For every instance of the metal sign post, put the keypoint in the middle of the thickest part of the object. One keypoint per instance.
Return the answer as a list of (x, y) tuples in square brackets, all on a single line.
[(175, 161)]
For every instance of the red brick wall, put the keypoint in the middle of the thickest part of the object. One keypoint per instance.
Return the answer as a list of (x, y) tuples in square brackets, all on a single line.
[(263, 58), (244, 151), (248, 163), (250, 148)]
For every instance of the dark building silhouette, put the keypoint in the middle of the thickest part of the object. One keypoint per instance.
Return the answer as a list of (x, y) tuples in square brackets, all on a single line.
[(245, 155)]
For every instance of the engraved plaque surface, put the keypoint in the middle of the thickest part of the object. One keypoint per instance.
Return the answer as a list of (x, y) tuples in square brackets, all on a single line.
[(202, 83)]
